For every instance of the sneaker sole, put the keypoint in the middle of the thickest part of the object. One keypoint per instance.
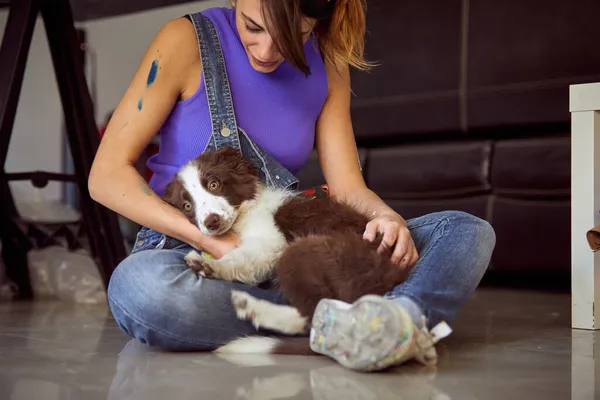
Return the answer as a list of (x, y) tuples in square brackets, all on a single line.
[(374, 329)]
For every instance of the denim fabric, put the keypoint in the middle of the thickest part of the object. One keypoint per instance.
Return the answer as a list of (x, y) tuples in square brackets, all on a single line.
[(157, 299), (455, 249), (226, 132)]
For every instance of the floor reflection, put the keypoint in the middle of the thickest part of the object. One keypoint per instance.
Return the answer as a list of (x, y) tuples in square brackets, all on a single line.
[(505, 345), (144, 374), (585, 364)]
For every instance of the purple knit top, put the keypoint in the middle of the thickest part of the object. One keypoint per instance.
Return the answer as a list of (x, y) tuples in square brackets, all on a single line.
[(277, 110)]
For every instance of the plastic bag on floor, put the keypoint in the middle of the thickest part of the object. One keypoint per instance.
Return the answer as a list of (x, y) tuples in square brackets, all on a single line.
[(35, 207), (56, 272)]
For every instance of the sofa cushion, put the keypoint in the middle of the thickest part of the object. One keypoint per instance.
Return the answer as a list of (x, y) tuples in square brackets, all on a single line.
[(430, 170), (538, 167), (312, 175), (414, 89), (522, 56), (531, 234), (408, 209), (532, 43), (517, 107), (409, 117)]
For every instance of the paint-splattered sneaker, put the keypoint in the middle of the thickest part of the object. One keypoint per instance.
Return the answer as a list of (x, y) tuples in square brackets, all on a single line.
[(372, 334)]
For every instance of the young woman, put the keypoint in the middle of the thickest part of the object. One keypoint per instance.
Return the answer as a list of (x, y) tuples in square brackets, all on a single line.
[(270, 77)]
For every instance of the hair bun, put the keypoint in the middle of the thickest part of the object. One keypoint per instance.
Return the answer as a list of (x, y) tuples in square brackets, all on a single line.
[(317, 9)]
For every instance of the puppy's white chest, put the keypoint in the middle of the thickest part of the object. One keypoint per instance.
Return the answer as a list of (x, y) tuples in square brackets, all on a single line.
[(259, 220), (257, 224)]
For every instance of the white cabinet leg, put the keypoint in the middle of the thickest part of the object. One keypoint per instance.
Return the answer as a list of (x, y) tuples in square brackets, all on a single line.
[(585, 214)]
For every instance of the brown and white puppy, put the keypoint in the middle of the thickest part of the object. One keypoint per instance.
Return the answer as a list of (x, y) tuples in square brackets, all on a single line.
[(315, 247), (220, 191)]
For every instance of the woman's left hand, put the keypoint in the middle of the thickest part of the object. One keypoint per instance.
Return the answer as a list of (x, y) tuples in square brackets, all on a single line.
[(396, 236)]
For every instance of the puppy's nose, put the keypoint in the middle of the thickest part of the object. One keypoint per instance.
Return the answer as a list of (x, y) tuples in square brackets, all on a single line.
[(212, 222)]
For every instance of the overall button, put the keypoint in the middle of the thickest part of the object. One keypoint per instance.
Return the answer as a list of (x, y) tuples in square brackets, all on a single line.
[(276, 176), (225, 131)]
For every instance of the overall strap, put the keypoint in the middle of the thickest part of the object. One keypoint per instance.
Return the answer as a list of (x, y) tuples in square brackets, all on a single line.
[(225, 131), (224, 126)]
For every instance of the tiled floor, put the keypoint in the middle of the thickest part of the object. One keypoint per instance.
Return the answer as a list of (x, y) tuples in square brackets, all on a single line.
[(506, 345)]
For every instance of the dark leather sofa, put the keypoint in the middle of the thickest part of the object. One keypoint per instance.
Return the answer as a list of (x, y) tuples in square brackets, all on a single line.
[(468, 110)]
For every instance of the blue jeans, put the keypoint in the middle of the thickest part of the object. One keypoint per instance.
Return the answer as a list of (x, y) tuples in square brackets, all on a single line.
[(158, 300)]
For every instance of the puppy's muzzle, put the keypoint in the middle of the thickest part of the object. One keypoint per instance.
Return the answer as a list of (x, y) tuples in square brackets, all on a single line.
[(213, 222)]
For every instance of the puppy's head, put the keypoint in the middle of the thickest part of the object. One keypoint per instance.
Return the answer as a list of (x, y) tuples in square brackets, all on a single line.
[(211, 188)]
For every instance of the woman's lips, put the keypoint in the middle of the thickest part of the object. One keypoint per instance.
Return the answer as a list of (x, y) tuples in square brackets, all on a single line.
[(264, 64)]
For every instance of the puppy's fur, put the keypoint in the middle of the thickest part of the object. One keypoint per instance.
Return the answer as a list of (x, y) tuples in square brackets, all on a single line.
[(315, 247)]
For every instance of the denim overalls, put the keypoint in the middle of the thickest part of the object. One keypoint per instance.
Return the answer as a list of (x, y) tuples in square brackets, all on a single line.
[(225, 131)]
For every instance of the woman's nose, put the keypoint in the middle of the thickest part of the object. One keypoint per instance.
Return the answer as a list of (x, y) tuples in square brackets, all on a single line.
[(267, 50)]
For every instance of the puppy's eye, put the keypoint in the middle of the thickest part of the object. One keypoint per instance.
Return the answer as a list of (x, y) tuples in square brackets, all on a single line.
[(187, 206), (213, 185)]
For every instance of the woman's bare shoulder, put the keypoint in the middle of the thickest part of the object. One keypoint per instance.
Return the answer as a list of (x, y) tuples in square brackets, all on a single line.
[(176, 48), (177, 40)]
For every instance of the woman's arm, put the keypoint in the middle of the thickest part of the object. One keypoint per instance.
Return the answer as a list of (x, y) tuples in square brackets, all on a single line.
[(169, 67), (338, 157)]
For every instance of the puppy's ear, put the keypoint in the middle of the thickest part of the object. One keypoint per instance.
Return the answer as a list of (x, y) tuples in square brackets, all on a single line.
[(245, 167), (172, 194), (237, 162)]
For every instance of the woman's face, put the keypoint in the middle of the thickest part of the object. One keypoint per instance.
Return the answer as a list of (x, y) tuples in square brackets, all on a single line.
[(259, 46)]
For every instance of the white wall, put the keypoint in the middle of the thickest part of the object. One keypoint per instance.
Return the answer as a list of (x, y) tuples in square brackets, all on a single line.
[(119, 44), (35, 142)]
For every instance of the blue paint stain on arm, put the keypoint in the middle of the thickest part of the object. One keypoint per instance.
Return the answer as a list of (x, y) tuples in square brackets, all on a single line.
[(152, 74), (140, 105)]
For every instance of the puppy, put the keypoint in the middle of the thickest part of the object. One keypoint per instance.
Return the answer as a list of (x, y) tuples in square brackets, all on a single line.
[(218, 192), (314, 247)]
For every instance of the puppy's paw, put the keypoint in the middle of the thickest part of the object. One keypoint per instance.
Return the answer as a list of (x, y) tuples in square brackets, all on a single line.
[(243, 304), (199, 264), (263, 314), (193, 258)]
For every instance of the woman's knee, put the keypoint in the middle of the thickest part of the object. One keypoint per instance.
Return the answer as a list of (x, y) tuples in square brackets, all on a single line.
[(482, 228), (479, 231), (156, 299), (477, 239)]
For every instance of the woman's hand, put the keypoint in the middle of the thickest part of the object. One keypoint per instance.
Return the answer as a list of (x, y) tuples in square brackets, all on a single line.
[(218, 246), (396, 236), (224, 244)]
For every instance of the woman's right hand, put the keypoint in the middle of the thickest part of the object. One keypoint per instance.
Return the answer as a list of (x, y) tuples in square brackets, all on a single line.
[(218, 246)]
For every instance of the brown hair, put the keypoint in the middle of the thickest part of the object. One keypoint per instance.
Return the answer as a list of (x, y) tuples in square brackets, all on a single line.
[(340, 30)]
